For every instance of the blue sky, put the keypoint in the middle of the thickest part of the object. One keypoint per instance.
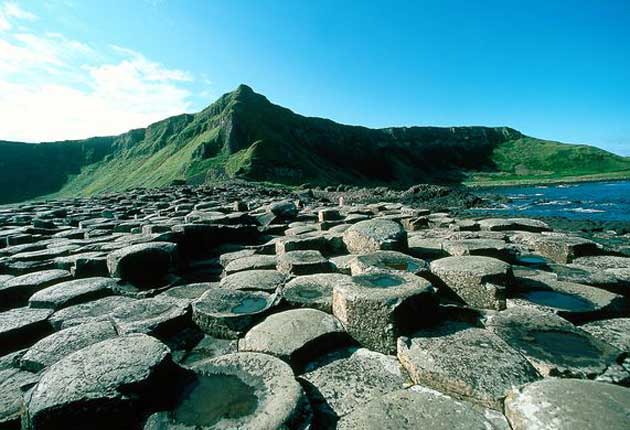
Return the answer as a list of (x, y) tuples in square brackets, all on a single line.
[(552, 69)]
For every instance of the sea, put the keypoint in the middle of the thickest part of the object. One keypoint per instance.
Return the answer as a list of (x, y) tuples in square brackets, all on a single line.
[(597, 201)]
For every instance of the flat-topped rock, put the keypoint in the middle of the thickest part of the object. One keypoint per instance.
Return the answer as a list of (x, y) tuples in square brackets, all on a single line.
[(522, 224), (373, 235), (72, 292), (466, 362), (300, 263), (421, 408), (244, 390), (252, 262), (187, 292), (158, 316), (559, 247), (480, 282), (603, 262), (208, 347), (228, 314), (143, 263), (377, 307), (486, 247), (574, 302), (53, 348), (313, 291), (96, 310), (295, 336), (16, 291), (345, 380), (22, 327), (387, 260), (568, 404), (11, 382), (615, 332), (106, 385), (254, 280), (554, 346)]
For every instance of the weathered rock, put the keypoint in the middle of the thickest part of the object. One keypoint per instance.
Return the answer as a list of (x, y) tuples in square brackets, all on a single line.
[(22, 327), (253, 280), (522, 224), (143, 263), (285, 209), (486, 247), (615, 332), (480, 282), (568, 404), (11, 382), (553, 345), (342, 381), (373, 235), (96, 310), (604, 262), (187, 292), (58, 345), (209, 347), (227, 314), (16, 291), (421, 408), (238, 391), (253, 262), (158, 316), (72, 292), (300, 263), (387, 260), (377, 307), (295, 336), (558, 247), (313, 291), (426, 248), (106, 384), (466, 362)]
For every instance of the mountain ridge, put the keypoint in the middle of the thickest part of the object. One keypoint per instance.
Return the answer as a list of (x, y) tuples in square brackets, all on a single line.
[(244, 135)]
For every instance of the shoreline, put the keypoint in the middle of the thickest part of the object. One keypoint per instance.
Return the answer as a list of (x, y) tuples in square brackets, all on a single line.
[(534, 182)]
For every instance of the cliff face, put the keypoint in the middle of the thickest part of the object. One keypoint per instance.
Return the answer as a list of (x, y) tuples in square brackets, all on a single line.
[(243, 135)]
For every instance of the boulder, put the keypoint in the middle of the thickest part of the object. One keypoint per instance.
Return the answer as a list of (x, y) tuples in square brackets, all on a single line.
[(374, 235)]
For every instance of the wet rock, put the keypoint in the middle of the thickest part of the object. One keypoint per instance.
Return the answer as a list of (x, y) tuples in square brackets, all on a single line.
[(377, 307), (553, 345), (238, 391), (72, 292), (254, 280), (227, 314), (208, 347), (345, 380), (253, 262), (373, 235), (22, 327), (106, 384), (96, 310), (574, 302), (567, 404), (421, 408), (387, 260), (143, 263), (480, 282), (300, 263), (466, 362), (16, 291), (58, 345), (313, 291), (295, 336)]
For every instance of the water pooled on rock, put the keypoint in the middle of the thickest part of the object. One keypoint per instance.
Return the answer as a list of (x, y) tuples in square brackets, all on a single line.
[(380, 280), (558, 300), (250, 305)]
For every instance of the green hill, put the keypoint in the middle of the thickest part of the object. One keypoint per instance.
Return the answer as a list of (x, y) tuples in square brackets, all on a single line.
[(244, 135)]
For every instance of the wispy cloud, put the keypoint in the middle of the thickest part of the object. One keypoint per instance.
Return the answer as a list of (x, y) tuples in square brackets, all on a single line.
[(9, 12), (53, 87)]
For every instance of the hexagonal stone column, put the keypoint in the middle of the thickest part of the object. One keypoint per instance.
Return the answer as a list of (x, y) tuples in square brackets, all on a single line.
[(479, 282), (373, 235), (243, 390), (313, 291), (22, 327), (303, 263), (421, 408), (16, 291), (104, 385), (254, 280), (387, 260), (466, 362), (377, 307), (72, 292), (143, 263), (227, 314), (568, 404), (295, 336), (554, 346)]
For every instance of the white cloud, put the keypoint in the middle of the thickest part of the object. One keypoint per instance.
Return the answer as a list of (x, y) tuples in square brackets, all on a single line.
[(10, 11), (55, 88)]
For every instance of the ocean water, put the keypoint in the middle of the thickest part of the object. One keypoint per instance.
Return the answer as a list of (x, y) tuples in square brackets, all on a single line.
[(601, 201)]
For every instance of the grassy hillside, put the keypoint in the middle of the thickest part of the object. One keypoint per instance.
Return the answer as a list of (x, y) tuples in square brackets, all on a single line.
[(244, 135)]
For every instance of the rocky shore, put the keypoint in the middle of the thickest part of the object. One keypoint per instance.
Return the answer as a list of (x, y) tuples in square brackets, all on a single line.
[(245, 306)]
